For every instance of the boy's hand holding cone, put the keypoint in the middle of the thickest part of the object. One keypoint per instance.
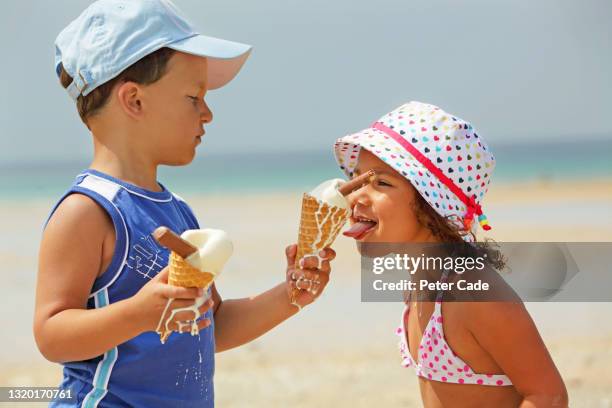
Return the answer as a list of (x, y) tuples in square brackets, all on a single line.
[(192, 266)]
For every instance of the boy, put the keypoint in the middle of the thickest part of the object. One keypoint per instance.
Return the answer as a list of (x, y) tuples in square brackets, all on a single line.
[(139, 73)]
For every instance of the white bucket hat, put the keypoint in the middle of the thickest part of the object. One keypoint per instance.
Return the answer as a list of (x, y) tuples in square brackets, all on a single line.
[(443, 157)]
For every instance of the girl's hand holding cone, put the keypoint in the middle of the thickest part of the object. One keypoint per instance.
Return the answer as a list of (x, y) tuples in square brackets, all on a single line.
[(310, 279)]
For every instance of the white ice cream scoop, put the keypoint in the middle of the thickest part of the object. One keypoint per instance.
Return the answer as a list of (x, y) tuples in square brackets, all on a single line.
[(214, 249), (328, 193), (333, 192)]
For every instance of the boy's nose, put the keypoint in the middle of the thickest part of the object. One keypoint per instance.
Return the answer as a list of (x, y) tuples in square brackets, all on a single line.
[(206, 115)]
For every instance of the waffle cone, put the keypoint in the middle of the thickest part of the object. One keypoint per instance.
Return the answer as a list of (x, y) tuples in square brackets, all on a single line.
[(183, 274), (320, 224)]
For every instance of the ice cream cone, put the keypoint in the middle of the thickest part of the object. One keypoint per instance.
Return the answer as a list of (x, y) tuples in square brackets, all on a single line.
[(320, 224), (183, 274), (196, 258)]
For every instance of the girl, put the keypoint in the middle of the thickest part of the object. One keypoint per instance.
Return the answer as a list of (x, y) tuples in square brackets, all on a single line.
[(433, 170)]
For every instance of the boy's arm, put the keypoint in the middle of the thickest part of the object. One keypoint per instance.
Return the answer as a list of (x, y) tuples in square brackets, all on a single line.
[(70, 259), (239, 321), (69, 262)]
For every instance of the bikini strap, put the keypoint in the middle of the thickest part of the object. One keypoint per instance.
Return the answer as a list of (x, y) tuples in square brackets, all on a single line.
[(407, 297), (443, 278)]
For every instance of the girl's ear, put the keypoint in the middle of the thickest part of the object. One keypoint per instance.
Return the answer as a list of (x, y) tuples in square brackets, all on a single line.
[(129, 96)]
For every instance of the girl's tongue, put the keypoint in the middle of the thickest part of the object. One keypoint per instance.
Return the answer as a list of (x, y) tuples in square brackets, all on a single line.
[(359, 228)]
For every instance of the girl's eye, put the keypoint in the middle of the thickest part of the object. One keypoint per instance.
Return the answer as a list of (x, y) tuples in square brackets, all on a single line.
[(194, 99), (383, 183)]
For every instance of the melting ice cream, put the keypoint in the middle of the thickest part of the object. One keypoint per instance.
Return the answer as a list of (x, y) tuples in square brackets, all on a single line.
[(214, 248)]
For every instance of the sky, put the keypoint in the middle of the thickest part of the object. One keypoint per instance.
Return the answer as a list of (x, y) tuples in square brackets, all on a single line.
[(519, 70)]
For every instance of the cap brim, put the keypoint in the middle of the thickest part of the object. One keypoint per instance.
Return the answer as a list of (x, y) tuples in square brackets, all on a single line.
[(225, 58)]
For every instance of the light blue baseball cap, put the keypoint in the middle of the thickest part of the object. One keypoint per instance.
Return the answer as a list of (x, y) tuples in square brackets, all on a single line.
[(111, 35)]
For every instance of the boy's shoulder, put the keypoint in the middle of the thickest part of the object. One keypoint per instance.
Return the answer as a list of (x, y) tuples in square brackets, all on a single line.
[(79, 217), (98, 204)]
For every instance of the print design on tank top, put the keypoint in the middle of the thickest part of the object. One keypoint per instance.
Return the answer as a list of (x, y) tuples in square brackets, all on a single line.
[(146, 257)]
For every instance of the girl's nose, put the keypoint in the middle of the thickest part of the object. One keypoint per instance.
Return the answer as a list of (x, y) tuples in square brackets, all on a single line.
[(359, 197), (206, 116)]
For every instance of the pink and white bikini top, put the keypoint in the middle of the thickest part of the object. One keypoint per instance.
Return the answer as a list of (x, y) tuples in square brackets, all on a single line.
[(437, 361)]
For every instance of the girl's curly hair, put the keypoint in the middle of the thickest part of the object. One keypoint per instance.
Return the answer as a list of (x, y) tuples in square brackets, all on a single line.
[(449, 230)]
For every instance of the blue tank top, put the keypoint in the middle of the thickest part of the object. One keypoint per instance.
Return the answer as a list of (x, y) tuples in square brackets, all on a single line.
[(141, 372)]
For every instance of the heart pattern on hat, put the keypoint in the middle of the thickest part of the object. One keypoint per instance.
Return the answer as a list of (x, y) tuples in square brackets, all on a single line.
[(440, 137)]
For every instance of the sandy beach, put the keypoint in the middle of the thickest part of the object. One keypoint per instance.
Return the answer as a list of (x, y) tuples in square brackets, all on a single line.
[(339, 352)]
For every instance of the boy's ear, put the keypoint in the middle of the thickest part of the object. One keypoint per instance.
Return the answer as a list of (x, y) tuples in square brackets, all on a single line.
[(129, 95)]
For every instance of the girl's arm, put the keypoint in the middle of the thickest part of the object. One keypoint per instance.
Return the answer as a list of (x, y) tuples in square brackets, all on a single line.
[(239, 321), (510, 336)]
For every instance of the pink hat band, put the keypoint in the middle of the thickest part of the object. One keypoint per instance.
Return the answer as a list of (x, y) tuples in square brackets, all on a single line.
[(440, 154), (473, 208)]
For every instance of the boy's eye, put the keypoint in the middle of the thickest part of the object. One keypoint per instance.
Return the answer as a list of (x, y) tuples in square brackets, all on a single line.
[(383, 183), (194, 99)]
